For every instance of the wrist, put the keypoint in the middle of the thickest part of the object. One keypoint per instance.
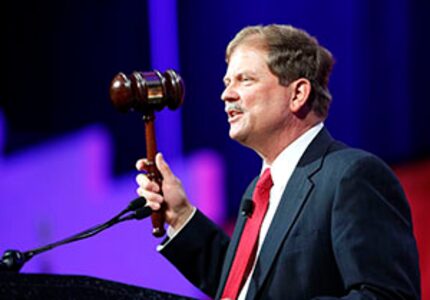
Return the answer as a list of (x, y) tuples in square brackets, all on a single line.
[(182, 217)]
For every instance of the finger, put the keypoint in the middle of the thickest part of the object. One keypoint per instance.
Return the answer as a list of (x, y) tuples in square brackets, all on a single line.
[(144, 182), (154, 205), (141, 164), (152, 200), (149, 196), (163, 167)]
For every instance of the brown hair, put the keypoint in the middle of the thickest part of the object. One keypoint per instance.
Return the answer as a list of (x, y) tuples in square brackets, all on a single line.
[(292, 54)]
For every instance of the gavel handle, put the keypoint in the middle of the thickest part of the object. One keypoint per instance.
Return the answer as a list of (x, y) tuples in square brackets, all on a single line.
[(158, 217)]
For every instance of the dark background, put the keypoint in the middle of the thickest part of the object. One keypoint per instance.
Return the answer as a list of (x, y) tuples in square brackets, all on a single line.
[(58, 58)]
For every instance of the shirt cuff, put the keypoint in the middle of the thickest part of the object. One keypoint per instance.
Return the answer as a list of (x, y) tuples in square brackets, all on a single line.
[(171, 233)]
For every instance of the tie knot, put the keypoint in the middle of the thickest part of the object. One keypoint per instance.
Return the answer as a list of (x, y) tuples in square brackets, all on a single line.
[(265, 180)]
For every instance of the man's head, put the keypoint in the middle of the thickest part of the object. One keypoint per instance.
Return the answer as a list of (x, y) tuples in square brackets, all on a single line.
[(275, 86), (292, 54)]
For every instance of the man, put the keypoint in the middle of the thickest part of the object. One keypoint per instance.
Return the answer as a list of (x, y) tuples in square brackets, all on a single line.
[(335, 223)]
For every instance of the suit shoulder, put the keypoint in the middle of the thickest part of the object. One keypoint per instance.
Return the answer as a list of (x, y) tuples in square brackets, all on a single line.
[(352, 160)]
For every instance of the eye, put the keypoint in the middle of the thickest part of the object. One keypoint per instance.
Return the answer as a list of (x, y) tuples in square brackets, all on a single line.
[(246, 79)]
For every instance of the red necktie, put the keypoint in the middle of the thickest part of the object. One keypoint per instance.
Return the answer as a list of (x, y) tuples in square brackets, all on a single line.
[(245, 254)]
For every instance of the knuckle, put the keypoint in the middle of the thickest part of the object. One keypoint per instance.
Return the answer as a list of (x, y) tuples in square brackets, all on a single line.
[(154, 205), (142, 192), (139, 164), (153, 197), (141, 179), (152, 186)]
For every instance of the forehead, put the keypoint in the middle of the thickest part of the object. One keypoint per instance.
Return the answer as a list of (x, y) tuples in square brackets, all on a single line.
[(247, 58)]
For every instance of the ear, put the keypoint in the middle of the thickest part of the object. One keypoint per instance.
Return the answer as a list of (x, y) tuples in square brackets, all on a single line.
[(300, 92)]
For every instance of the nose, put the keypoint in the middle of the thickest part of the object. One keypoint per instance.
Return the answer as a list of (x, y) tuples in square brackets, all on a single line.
[(229, 94)]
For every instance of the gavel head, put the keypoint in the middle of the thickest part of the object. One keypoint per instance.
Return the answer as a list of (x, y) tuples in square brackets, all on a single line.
[(147, 91)]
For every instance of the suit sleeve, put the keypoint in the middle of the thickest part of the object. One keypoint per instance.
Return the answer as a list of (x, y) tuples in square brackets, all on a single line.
[(198, 252), (372, 234)]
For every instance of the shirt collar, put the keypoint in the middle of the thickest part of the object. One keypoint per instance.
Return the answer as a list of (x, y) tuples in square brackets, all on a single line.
[(291, 155)]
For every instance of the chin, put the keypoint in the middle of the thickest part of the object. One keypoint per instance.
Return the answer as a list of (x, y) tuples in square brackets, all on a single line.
[(234, 134), (239, 137)]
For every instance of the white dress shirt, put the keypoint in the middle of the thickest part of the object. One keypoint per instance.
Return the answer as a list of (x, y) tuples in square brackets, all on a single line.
[(281, 170)]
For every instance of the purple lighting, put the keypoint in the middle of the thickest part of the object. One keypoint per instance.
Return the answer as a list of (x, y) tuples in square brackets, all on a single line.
[(59, 188), (64, 186), (164, 55)]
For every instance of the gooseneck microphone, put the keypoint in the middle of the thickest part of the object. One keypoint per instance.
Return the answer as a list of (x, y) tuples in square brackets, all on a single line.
[(13, 260), (247, 208)]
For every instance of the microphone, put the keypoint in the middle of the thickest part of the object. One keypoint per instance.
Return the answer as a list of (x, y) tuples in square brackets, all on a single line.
[(137, 203), (142, 213), (247, 208), (14, 260)]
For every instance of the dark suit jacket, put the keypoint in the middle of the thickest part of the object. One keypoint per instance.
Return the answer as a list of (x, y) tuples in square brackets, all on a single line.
[(342, 230)]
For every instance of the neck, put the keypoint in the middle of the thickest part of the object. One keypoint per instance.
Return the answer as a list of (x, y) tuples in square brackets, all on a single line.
[(270, 150)]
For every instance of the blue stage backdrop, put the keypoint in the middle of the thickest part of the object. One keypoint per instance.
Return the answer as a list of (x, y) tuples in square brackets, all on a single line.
[(57, 122)]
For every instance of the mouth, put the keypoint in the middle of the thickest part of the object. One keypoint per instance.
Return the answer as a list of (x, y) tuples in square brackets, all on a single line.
[(234, 115)]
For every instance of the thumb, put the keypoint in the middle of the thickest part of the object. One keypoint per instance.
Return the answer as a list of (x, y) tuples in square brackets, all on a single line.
[(163, 167)]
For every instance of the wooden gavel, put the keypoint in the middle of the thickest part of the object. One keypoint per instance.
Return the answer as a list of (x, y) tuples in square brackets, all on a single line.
[(147, 92)]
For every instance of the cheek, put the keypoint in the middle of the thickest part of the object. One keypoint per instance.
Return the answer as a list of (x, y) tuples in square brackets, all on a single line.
[(252, 99)]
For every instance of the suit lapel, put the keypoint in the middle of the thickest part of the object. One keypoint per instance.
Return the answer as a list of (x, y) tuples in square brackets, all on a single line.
[(294, 197)]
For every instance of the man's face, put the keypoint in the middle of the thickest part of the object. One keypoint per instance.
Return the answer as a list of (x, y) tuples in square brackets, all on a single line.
[(256, 104)]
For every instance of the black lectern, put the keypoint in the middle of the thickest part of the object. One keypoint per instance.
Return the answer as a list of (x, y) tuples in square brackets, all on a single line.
[(44, 286)]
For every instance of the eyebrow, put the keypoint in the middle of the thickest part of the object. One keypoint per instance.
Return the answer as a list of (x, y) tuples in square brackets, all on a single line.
[(241, 74)]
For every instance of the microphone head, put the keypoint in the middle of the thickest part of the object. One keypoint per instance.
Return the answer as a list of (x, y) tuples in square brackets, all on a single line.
[(136, 204), (142, 213), (247, 207), (12, 260)]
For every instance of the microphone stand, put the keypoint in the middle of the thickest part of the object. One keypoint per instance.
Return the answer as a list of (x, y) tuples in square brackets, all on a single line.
[(13, 260)]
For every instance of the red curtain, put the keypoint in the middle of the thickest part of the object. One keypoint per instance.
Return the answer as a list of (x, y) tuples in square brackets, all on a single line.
[(415, 179)]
